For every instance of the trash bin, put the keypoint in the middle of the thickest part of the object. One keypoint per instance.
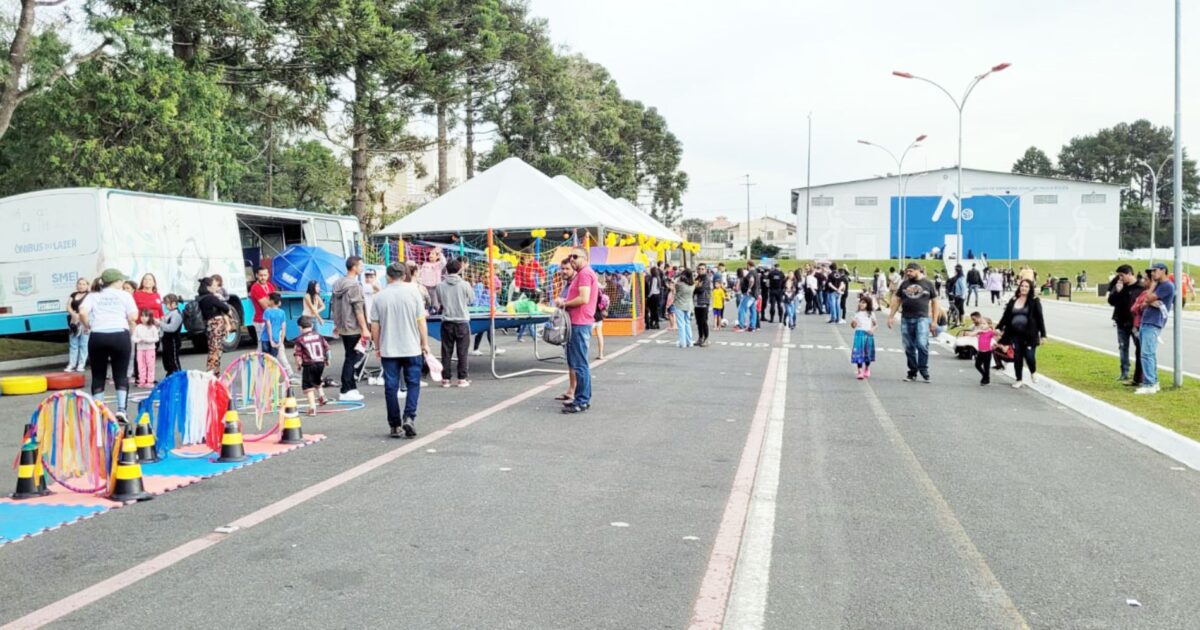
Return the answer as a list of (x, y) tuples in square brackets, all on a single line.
[(1063, 289)]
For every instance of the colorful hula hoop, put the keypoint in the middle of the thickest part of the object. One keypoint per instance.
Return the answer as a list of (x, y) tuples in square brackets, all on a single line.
[(76, 438), (257, 382), (337, 406)]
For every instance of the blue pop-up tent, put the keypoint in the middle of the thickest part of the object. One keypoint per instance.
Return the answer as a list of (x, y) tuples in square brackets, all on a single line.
[(298, 265)]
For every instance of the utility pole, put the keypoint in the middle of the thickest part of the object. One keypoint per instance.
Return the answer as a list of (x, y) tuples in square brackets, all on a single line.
[(1178, 199), (748, 185), (808, 184)]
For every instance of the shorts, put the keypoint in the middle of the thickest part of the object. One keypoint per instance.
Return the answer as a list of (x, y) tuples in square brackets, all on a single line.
[(718, 312), (310, 376)]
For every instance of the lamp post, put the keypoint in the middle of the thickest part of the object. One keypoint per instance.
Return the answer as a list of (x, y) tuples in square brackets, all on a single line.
[(959, 104), (1154, 176), (899, 188), (1008, 203)]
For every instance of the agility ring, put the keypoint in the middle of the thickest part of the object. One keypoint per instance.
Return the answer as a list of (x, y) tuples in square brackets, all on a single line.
[(187, 408), (257, 382), (76, 438), (336, 406)]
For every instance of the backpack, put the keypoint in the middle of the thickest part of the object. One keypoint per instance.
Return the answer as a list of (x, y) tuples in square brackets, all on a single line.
[(557, 330), (602, 305), (192, 319)]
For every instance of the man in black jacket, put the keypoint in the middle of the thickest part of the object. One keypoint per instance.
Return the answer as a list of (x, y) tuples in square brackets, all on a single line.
[(1122, 292), (775, 280)]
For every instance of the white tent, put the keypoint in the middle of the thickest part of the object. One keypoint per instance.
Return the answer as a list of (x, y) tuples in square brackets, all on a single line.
[(645, 223), (511, 195), (614, 220)]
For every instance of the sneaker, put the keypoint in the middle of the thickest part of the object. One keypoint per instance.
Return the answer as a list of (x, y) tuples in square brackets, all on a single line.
[(573, 408), (858, 374), (464, 383), (910, 378), (351, 396), (409, 431), (1146, 389), (985, 382), (867, 373), (394, 433), (445, 383), (1018, 385), (1033, 377), (925, 378), (500, 351), (1123, 377), (477, 353)]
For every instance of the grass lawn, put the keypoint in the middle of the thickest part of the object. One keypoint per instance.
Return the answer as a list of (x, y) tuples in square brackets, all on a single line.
[(1090, 297), (12, 349), (1093, 373)]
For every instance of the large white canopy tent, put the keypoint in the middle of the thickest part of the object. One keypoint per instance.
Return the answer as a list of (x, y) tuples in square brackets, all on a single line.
[(625, 214), (514, 196)]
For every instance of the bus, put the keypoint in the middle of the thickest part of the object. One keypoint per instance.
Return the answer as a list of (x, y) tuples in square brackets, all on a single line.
[(51, 238)]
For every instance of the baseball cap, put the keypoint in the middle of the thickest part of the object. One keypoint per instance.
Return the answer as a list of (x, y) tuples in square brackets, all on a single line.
[(1159, 265), (369, 272), (110, 275), (912, 265)]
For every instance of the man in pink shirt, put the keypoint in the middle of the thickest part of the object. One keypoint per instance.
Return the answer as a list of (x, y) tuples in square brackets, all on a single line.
[(581, 308)]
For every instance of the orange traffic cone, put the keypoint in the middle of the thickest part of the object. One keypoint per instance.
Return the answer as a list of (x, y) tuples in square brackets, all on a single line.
[(30, 482), (292, 432), (127, 478), (144, 438), (232, 448)]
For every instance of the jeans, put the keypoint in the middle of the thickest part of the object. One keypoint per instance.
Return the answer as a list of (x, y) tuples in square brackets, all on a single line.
[(789, 317), (1124, 336), (523, 330), (683, 320), (577, 360), (914, 333), (1149, 336), (79, 350), (834, 300), (349, 383), (744, 311), (973, 291), (754, 314), (393, 369)]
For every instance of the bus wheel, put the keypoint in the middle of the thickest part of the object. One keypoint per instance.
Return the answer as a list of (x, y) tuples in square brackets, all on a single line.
[(234, 339)]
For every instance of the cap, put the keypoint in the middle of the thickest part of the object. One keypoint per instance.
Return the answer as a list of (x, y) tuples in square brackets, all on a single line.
[(1156, 265), (110, 275), (912, 265), (369, 272)]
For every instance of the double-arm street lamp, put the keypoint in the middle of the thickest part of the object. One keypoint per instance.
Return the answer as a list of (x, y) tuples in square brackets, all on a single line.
[(899, 188), (959, 104), (1154, 177)]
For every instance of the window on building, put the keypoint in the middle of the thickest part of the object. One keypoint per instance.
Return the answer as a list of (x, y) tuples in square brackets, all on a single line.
[(770, 235), (822, 201), (1092, 198), (866, 201), (1045, 199)]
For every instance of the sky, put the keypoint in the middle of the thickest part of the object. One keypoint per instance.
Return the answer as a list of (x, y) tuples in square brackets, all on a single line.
[(737, 80)]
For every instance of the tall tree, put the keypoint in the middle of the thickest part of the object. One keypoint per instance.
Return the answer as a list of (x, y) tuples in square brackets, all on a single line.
[(363, 56), (36, 59), (1034, 162)]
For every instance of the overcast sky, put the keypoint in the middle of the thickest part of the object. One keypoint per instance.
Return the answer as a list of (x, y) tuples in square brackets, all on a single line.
[(735, 81)]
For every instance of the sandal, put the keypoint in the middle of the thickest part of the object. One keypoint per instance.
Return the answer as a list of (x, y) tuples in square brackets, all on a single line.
[(564, 398)]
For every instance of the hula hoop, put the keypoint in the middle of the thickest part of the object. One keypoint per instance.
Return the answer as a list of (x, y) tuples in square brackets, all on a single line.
[(76, 439), (257, 382), (338, 406)]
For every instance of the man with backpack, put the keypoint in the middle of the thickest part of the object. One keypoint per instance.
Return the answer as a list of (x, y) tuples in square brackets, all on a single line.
[(580, 304)]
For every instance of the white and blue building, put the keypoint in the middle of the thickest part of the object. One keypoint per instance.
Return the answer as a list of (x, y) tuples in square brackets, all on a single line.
[(1004, 215)]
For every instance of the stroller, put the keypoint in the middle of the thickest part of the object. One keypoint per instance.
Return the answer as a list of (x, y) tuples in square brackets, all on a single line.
[(368, 367)]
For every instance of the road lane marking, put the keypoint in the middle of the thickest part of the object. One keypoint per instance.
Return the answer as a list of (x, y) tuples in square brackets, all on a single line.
[(1114, 354), (100, 590), (986, 586), (708, 612), (752, 579)]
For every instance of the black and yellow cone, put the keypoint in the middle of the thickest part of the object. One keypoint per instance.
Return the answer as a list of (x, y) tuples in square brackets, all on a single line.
[(144, 438), (232, 447), (127, 478), (30, 481), (292, 433)]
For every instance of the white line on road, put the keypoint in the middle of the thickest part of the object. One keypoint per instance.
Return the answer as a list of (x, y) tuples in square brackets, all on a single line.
[(752, 579), (1114, 354)]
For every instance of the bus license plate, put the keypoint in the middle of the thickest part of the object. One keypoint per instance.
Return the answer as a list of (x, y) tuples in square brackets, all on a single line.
[(48, 306)]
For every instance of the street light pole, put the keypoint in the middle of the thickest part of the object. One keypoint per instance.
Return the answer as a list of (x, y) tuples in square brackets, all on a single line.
[(1008, 203), (748, 185), (1154, 177), (1178, 199), (899, 189), (959, 104)]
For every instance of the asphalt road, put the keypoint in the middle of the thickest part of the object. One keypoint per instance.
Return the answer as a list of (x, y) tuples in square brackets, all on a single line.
[(878, 504)]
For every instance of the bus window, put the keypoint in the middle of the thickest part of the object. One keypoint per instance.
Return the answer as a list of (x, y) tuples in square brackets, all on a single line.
[(327, 235)]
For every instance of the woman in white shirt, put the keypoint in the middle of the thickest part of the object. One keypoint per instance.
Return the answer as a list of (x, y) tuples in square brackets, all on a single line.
[(110, 313)]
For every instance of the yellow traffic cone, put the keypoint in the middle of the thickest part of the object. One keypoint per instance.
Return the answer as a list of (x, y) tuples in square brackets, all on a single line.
[(30, 481), (144, 438), (292, 433), (232, 448), (127, 478)]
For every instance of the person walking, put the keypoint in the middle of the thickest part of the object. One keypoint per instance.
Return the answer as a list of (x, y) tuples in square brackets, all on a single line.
[(1023, 327), (1122, 292), (455, 296), (580, 303), (995, 285), (702, 297), (77, 333), (835, 288), (974, 284), (685, 307), (654, 294), (1156, 308), (398, 323), (917, 304), (347, 308), (110, 314)]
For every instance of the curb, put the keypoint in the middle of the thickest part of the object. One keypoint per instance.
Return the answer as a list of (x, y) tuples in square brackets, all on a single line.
[(21, 364), (1178, 447), (1187, 315)]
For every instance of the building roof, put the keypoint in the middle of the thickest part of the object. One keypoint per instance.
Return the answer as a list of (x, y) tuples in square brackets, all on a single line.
[(952, 168)]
